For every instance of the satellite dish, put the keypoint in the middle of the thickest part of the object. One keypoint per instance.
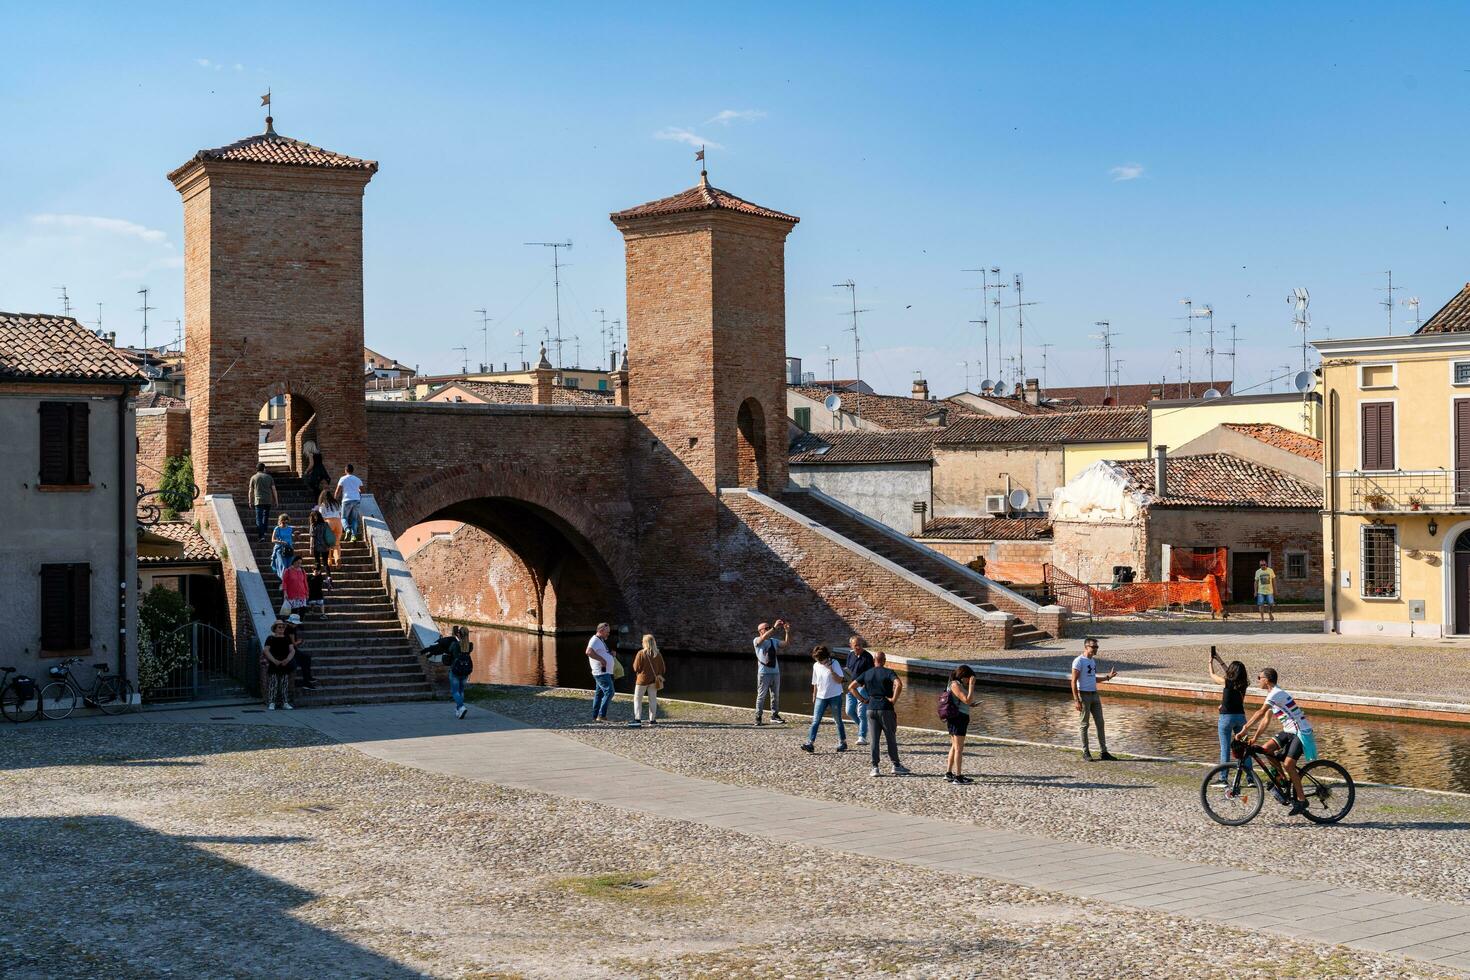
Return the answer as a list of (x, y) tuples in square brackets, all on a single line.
[(1000, 389), (832, 402), (1303, 381), (1019, 499), (987, 386), (1211, 393)]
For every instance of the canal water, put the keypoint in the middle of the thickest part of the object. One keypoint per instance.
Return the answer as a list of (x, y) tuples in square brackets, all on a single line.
[(1404, 753)]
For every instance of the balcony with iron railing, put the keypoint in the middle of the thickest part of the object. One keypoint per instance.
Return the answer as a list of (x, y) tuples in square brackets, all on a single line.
[(1404, 492)]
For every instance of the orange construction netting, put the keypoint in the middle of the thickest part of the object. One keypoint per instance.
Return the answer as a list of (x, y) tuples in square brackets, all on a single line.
[(1023, 572), (1134, 597)]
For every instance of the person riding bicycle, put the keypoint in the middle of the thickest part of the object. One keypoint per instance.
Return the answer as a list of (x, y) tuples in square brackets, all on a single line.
[(1293, 742)]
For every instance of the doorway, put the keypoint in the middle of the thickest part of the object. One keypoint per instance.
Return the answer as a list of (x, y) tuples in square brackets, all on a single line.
[(1460, 584), (1243, 574)]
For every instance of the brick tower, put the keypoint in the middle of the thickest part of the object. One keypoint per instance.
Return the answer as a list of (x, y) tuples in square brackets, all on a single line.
[(273, 301), (707, 333)]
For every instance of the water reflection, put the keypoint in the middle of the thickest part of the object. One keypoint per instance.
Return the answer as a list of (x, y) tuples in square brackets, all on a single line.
[(1427, 756)]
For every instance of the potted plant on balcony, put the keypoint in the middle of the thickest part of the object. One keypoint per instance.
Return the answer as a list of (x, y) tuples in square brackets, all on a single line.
[(1415, 502), (1376, 499)]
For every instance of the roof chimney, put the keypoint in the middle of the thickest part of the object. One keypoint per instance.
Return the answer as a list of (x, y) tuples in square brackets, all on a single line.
[(793, 370), (921, 389), (1161, 471), (1033, 391)]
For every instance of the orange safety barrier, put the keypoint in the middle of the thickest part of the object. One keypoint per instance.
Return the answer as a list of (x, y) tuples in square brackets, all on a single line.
[(1134, 597), (1023, 572)]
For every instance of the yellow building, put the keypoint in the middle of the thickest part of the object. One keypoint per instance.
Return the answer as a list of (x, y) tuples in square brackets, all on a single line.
[(1396, 529), (1175, 422)]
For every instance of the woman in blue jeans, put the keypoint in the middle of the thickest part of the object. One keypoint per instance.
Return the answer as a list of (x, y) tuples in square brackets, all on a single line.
[(827, 683), (1232, 701)]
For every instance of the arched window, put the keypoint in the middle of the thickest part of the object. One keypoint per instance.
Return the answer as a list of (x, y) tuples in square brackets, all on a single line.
[(750, 422)]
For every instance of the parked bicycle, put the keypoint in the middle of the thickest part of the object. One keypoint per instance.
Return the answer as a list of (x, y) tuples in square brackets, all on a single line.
[(109, 692), (1233, 792), (19, 696)]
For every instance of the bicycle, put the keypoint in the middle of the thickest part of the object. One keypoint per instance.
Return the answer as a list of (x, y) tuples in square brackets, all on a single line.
[(18, 696), (1232, 793), (109, 692)]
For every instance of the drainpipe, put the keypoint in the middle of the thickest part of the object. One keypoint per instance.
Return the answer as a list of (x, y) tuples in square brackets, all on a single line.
[(123, 519), (1332, 505)]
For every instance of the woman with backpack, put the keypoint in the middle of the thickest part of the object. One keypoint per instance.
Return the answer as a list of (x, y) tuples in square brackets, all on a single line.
[(954, 707), (321, 540), (326, 505), (457, 656)]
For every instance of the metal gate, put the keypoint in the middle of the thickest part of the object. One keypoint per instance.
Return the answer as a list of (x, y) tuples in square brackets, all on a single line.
[(198, 662)]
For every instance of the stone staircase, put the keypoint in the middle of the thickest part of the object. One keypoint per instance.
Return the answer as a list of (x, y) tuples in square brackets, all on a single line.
[(359, 651), (907, 554)]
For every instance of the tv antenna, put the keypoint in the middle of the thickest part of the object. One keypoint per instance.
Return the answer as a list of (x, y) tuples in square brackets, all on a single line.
[(1117, 370), (485, 336), (1189, 335), (966, 366), (144, 310), (831, 367), (1387, 301), (521, 338), (1413, 303), (1020, 308), (1300, 299), (602, 335), (1044, 349), (65, 301), (984, 322), (178, 334), (857, 364), (577, 340), (1107, 341), (616, 333), (1179, 357), (1208, 312), (1232, 358), (556, 248), (98, 322), (465, 353)]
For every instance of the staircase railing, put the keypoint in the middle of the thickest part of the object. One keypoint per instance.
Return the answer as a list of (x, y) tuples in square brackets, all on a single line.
[(398, 583), (223, 529)]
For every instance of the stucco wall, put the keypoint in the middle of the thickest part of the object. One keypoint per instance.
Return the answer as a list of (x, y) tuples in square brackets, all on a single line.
[(883, 491), (964, 476), (1175, 423), (1080, 456), (1089, 551), (1223, 440), (43, 527)]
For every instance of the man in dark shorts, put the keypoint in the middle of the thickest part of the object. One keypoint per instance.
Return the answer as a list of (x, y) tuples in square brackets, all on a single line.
[(1296, 738)]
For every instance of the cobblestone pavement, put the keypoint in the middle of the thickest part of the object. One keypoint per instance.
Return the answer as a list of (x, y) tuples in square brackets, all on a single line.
[(234, 850), (1407, 842)]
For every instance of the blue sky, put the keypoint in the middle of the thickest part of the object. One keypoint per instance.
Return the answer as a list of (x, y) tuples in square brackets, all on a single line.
[(1120, 156)]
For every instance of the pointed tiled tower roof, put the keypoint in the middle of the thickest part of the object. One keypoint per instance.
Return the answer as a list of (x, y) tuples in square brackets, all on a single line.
[(1453, 317), (271, 147), (701, 197)]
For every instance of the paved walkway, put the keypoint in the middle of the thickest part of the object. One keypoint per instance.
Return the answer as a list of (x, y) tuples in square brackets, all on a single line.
[(490, 748)]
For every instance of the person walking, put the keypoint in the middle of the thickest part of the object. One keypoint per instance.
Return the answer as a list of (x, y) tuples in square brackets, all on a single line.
[(878, 689), (349, 493), (283, 546), (316, 593), (317, 478), (827, 687), (326, 505), (859, 661), (461, 666), (961, 699), (768, 667), (1233, 684), (603, 663), (649, 671), (1085, 697), (320, 534), (294, 588), (278, 667), (300, 656), (261, 490), (1265, 579)]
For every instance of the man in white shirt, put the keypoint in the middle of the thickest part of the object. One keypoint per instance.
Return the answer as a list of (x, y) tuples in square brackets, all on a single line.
[(828, 683), (1084, 696), (1295, 740), (349, 492), (768, 668), (600, 658)]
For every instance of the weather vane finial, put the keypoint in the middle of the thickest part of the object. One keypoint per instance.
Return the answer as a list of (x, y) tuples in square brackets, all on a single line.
[(699, 158), (265, 100)]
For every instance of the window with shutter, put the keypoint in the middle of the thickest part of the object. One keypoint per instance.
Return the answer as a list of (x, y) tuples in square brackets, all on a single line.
[(66, 607), (1377, 436), (65, 444)]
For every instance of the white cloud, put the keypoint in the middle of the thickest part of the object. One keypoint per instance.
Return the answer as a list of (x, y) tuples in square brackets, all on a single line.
[(726, 116), (112, 226), (1126, 171), (680, 135)]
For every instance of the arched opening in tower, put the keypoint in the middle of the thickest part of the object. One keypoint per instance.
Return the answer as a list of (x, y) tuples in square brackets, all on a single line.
[(287, 434), (750, 423)]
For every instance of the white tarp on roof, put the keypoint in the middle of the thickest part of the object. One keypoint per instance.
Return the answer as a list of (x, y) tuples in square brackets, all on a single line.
[(1100, 494)]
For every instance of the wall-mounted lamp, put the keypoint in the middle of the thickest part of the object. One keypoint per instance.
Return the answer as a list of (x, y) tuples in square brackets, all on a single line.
[(1433, 527)]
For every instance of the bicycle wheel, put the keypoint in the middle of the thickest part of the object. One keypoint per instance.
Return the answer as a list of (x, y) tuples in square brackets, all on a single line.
[(1329, 790), (18, 709), (1231, 794), (57, 700), (114, 695)]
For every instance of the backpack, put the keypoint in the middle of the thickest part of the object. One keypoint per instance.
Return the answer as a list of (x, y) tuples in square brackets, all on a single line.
[(946, 705), (463, 665)]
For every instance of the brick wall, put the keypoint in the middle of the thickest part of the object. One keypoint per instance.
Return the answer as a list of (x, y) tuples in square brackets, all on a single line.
[(162, 432), (467, 575)]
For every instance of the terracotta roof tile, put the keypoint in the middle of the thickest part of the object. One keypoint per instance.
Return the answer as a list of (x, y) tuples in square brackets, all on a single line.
[(154, 399), (1453, 317), (516, 393), (1271, 434), (889, 411), (270, 147), (38, 345), (987, 528), (1019, 405), (1134, 394), (195, 547), (701, 197), (1089, 425), (1221, 480), (863, 446)]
